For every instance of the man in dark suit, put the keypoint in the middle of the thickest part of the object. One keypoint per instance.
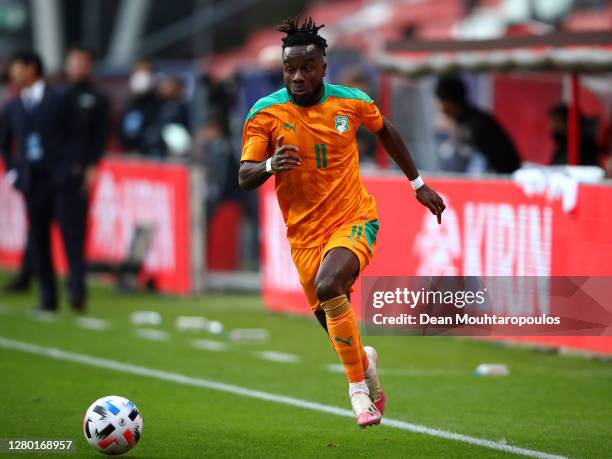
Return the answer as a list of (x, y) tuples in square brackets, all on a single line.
[(92, 115), (92, 109), (41, 149)]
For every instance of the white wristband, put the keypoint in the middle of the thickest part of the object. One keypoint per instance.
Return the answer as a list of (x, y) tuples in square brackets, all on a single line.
[(269, 166), (417, 183)]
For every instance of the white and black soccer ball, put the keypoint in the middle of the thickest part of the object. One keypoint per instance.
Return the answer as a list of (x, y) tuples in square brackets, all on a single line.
[(112, 425)]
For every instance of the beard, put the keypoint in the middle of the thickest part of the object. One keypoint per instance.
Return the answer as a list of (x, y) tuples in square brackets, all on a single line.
[(308, 99)]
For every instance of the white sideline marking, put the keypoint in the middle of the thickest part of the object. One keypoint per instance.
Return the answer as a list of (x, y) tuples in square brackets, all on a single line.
[(281, 357), (209, 345), (178, 378), (152, 334), (420, 372)]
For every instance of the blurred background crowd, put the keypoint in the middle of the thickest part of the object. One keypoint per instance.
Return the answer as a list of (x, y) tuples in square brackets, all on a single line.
[(172, 81)]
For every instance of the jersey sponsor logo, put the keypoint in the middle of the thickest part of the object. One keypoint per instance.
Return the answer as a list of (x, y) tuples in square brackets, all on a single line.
[(342, 123)]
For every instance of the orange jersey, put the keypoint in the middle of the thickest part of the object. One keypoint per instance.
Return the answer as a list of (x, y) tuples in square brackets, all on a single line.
[(326, 190)]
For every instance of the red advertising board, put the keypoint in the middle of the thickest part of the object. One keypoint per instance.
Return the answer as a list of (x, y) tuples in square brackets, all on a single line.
[(127, 193), (490, 228), (13, 223)]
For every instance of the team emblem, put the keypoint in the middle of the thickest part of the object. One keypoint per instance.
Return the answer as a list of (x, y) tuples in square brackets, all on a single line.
[(342, 124)]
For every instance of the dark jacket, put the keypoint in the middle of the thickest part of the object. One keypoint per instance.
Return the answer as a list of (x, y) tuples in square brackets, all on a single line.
[(53, 120), (92, 119), (138, 130), (487, 136)]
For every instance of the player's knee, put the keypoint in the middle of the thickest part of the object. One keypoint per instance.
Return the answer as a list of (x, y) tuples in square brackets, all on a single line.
[(328, 288)]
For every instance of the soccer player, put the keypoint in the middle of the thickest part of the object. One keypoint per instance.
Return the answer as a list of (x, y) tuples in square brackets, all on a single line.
[(304, 136)]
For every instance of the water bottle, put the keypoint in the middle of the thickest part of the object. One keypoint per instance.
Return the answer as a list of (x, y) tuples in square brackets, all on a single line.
[(492, 369)]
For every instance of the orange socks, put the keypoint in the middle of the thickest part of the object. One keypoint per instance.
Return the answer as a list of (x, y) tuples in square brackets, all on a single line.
[(344, 334)]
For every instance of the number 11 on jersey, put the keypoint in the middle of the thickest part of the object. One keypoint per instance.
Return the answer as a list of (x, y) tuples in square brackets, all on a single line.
[(321, 152)]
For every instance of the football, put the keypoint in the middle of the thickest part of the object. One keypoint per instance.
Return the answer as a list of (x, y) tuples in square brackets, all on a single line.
[(112, 425)]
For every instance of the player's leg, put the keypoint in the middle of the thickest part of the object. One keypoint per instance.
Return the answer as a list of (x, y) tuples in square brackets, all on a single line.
[(307, 261), (334, 278), (320, 314), (360, 239)]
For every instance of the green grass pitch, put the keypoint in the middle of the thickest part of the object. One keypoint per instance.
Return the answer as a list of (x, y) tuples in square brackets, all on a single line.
[(557, 405)]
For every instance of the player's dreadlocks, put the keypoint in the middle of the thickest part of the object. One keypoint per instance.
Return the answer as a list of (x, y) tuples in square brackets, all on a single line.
[(305, 34)]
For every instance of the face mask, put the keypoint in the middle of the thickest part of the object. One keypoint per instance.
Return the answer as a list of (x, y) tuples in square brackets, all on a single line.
[(141, 82)]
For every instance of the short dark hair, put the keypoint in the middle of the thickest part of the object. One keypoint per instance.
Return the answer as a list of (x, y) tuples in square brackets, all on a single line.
[(29, 57), (82, 49), (452, 89), (305, 34)]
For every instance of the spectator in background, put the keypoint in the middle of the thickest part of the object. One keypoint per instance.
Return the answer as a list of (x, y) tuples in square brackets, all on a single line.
[(476, 129), (137, 128), (216, 153), (172, 119), (221, 160), (173, 108), (40, 148), (557, 117)]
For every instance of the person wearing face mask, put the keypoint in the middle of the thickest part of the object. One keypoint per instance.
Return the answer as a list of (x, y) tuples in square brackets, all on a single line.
[(138, 123)]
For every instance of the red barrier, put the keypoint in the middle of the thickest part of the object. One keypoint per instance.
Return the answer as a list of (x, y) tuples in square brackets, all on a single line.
[(126, 193), (223, 241), (12, 223), (490, 228)]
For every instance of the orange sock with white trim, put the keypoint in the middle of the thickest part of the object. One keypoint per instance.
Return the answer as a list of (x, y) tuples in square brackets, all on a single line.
[(346, 339)]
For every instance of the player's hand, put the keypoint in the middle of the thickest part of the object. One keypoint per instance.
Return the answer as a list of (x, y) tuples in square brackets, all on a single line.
[(282, 161), (432, 200)]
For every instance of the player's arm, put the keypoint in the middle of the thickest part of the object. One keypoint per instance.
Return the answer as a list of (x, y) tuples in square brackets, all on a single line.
[(253, 174), (391, 139)]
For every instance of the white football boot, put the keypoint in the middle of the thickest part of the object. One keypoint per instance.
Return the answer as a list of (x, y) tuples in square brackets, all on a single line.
[(366, 413), (377, 394)]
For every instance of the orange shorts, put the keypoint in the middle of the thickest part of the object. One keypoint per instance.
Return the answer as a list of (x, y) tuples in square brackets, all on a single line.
[(359, 237)]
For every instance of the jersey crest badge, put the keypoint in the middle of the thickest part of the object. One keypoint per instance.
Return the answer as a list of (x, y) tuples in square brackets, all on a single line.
[(342, 123), (289, 126)]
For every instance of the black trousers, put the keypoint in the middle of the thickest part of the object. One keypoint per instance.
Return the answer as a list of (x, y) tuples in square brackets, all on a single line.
[(67, 205), (26, 270)]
